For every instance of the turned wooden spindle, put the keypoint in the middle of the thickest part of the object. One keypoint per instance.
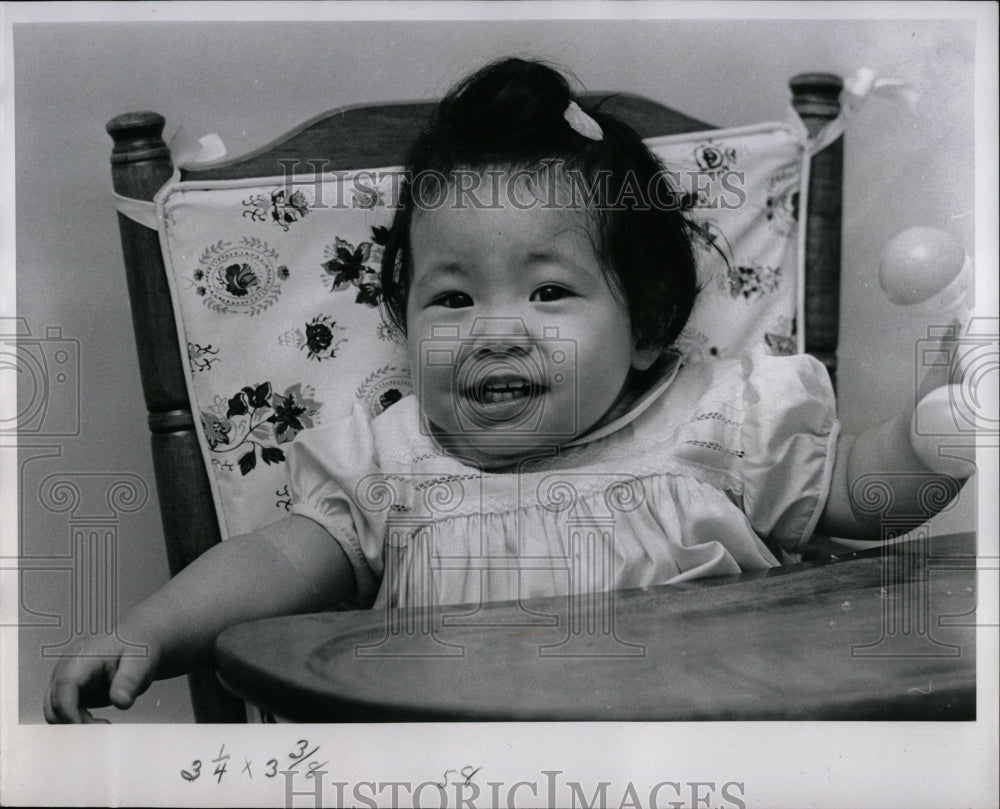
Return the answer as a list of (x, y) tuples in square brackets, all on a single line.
[(816, 99), (140, 165)]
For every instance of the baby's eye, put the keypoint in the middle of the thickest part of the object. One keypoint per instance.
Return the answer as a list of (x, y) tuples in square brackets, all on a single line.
[(550, 292), (452, 300)]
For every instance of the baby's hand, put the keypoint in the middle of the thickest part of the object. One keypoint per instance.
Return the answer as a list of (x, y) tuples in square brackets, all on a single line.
[(101, 674), (943, 431)]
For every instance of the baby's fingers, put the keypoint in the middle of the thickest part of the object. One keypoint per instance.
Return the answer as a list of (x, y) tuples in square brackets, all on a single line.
[(73, 716), (132, 678), (78, 682), (62, 703)]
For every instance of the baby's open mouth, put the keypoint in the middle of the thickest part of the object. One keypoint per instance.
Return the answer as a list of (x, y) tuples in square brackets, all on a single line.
[(500, 390)]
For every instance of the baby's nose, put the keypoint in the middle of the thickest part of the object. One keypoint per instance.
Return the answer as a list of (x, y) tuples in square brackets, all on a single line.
[(498, 349), (500, 336), (485, 328)]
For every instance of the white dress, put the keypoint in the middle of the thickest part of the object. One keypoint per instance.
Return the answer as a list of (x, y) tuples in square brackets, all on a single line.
[(717, 470)]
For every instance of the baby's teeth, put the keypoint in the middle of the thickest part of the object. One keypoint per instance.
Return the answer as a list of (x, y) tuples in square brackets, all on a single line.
[(493, 395)]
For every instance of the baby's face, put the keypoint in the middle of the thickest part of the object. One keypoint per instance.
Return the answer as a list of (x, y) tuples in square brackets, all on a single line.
[(517, 342)]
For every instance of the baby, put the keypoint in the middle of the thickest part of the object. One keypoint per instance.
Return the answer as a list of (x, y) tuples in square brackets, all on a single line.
[(540, 267)]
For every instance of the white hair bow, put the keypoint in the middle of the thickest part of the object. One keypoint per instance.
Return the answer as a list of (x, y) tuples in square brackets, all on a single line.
[(581, 123)]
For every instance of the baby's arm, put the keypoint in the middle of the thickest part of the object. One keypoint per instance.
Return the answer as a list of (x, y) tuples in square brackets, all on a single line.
[(292, 566), (886, 453)]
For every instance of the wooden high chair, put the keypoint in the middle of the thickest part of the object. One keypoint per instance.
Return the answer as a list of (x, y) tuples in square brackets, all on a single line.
[(346, 139)]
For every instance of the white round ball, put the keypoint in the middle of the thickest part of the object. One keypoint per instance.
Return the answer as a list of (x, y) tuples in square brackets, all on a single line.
[(918, 263)]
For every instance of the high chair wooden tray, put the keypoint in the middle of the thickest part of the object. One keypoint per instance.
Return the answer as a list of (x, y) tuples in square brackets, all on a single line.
[(887, 634)]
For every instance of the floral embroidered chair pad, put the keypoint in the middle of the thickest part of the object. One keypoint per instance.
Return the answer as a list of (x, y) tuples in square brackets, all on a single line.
[(276, 295)]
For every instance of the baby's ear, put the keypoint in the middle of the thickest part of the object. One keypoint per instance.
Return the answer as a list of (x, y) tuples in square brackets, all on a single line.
[(643, 358)]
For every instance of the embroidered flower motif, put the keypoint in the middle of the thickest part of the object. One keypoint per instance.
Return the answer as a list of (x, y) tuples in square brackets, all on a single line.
[(711, 156), (216, 429), (752, 281), (319, 338), (389, 397), (260, 419), (384, 387), (293, 412), (348, 265), (781, 208), (240, 279), (385, 332), (282, 208)]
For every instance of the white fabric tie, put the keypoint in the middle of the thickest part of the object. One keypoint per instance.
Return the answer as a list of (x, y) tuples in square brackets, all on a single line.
[(186, 152)]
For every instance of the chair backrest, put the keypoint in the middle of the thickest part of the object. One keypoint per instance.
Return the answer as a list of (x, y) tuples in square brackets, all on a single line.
[(366, 137)]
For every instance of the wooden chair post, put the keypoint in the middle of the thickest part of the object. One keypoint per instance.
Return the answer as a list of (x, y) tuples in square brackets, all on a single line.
[(816, 99), (140, 164)]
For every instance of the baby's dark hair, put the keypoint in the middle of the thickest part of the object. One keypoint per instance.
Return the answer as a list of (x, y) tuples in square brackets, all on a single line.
[(510, 115)]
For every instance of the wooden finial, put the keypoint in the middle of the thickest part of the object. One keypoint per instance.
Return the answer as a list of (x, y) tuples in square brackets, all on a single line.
[(137, 136), (816, 97)]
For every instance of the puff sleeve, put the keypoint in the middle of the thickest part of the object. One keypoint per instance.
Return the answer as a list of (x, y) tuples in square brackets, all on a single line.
[(789, 439), (325, 466)]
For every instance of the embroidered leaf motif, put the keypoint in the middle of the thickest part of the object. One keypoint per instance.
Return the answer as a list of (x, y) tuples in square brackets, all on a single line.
[(263, 431), (247, 462), (271, 455), (259, 396), (239, 405), (368, 293)]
